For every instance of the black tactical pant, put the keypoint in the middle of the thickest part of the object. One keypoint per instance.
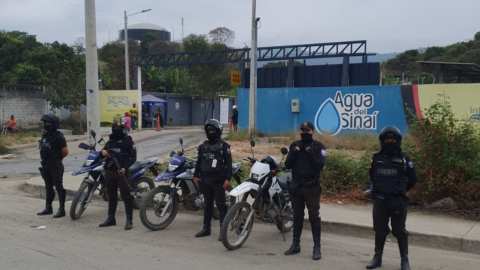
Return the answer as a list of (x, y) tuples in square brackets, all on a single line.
[(213, 189), (301, 196), (114, 181), (52, 174), (394, 208)]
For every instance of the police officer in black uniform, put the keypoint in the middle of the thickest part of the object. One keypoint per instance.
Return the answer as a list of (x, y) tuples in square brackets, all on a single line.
[(392, 175), (214, 165), (306, 158), (122, 148), (53, 148)]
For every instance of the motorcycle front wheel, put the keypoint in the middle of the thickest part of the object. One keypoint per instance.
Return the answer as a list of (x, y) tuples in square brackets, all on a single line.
[(235, 231), (158, 209), (81, 200)]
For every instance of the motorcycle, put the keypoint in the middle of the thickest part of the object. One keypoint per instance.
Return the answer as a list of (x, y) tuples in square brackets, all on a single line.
[(5, 130), (94, 167), (160, 206), (271, 202)]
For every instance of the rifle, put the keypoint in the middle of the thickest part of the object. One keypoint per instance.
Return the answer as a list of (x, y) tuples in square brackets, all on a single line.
[(117, 165)]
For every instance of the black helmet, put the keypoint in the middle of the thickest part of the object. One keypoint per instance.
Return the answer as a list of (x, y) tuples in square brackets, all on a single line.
[(52, 118), (214, 124), (271, 161), (390, 132)]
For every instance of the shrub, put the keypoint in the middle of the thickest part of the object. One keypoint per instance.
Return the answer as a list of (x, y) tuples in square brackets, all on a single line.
[(446, 153), (342, 173)]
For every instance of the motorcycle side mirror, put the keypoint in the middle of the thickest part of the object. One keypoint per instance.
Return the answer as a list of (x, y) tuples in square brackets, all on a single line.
[(284, 151), (252, 143), (181, 141), (93, 133), (172, 153)]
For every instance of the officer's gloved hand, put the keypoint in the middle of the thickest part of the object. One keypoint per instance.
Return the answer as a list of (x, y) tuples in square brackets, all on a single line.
[(309, 149)]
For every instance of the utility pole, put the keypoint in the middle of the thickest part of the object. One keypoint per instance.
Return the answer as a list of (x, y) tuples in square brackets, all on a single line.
[(93, 106), (182, 27), (173, 32), (253, 74), (127, 72)]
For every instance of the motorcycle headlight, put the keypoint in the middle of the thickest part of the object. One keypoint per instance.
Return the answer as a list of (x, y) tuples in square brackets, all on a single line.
[(171, 167), (254, 177)]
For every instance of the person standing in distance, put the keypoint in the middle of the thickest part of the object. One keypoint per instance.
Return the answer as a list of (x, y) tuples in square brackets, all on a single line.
[(53, 148), (235, 118), (125, 153), (214, 164), (128, 123), (306, 158), (392, 175), (134, 115)]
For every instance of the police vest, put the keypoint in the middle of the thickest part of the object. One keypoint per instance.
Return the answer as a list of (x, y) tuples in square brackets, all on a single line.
[(390, 174), (120, 149), (303, 170), (47, 152), (212, 157)]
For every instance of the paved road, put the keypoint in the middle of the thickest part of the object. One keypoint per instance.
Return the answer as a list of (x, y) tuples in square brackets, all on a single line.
[(28, 161), (81, 244)]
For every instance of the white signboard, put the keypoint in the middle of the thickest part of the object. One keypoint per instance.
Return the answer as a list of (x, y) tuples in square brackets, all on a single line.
[(224, 104)]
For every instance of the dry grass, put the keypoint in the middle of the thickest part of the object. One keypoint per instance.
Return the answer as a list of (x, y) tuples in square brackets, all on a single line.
[(23, 137)]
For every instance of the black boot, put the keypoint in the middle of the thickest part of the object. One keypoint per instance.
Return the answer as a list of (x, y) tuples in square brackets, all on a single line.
[(112, 208), (61, 200), (47, 211), (297, 232), (109, 222), (49, 197), (206, 231), (316, 232), (222, 214), (129, 212), (377, 258), (403, 246)]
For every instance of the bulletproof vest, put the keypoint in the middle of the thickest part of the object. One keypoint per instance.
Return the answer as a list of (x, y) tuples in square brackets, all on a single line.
[(120, 149), (303, 170), (212, 157), (389, 174), (47, 152)]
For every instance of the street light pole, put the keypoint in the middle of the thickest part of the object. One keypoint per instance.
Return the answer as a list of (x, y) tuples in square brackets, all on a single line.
[(173, 32), (253, 73), (127, 71), (93, 106), (109, 34)]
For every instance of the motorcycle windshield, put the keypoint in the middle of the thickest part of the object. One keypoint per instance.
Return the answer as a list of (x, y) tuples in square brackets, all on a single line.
[(177, 160)]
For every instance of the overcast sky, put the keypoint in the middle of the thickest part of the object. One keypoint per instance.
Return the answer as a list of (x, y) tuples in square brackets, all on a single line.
[(387, 25)]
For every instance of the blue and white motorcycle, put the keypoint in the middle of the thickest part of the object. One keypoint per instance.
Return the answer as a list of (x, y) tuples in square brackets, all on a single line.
[(94, 167), (160, 206)]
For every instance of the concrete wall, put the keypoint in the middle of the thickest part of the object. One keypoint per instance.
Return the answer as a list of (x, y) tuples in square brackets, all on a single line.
[(25, 102), (344, 110)]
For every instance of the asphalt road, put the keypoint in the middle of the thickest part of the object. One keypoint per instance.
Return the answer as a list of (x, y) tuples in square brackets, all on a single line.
[(81, 244), (28, 161)]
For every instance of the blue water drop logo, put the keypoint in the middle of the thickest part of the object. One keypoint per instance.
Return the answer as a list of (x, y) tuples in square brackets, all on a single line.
[(328, 119)]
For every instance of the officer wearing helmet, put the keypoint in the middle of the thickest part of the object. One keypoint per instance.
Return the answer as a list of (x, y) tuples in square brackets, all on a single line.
[(120, 151), (214, 165), (306, 158), (392, 175), (53, 148)]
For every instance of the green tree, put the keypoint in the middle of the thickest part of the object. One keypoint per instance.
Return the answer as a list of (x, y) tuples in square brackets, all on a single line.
[(207, 80), (404, 62), (389, 80), (28, 74), (222, 35), (425, 78)]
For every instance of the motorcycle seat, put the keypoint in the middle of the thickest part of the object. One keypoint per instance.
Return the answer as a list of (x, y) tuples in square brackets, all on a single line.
[(137, 166), (284, 179)]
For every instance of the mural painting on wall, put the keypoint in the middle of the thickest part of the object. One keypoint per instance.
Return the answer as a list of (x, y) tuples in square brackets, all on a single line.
[(350, 111)]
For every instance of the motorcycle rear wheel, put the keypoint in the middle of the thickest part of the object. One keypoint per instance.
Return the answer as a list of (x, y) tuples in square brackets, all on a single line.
[(234, 223), (80, 201), (150, 204)]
